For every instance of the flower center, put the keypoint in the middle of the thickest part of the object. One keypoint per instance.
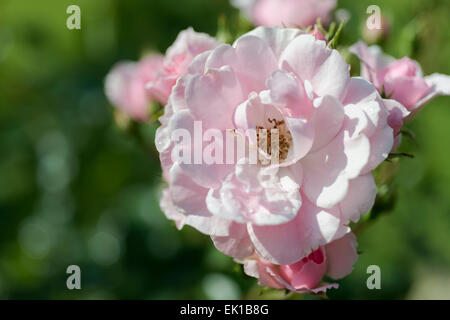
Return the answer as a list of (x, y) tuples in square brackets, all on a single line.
[(274, 141)]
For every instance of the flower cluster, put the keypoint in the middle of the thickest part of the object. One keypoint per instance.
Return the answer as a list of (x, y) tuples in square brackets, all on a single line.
[(286, 95)]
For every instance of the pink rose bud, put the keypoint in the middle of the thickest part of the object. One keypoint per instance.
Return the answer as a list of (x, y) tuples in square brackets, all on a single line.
[(179, 55), (335, 260), (402, 82), (401, 79), (125, 85), (131, 86), (286, 13)]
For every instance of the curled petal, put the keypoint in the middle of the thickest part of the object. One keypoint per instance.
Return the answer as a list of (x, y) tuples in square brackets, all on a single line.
[(213, 226), (237, 244), (311, 228), (341, 256)]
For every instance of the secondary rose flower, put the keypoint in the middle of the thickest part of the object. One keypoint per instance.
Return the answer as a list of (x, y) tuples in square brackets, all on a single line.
[(290, 13), (402, 79), (186, 47), (335, 260), (131, 86), (125, 85), (333, 132)]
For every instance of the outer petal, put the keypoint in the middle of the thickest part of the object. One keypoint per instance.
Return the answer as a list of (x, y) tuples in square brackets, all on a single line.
[(373, 60), (186, 47), (150, 68), (162, 136), (163, 143), (397, 115), (178, 94), (370, 119), (327, 171), (270, 275), (116, 81), (359, 199), (223, 55), (305, 274), (263, 272), (406, 90), (208, 225), (311, 228), (161, 87), (237, 244), (341, 256), (439, 84), (381, 144), (187, 196), (271, 242), (205, 175), (212, 226), (170, 211), (366, 118), (198, 63), (322, 287), (125, 88), (359, 90)]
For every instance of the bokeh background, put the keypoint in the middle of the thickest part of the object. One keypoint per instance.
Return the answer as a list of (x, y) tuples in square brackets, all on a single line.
[(75, 189)]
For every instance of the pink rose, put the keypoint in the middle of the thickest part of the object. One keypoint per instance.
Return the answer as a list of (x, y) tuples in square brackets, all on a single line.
[(401, 79), (333, 131), (125, 85), (335, 260), (290, 13), (178, 57), (131, 86)]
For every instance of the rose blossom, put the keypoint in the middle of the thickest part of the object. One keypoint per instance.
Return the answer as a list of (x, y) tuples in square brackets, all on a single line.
[(131, 86), (333, 132), (335, 260), (125, 85), (401, 79), (179, 55), (290, 13)]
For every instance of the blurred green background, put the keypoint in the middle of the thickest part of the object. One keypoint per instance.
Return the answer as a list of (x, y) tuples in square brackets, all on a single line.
[(74, 189)]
